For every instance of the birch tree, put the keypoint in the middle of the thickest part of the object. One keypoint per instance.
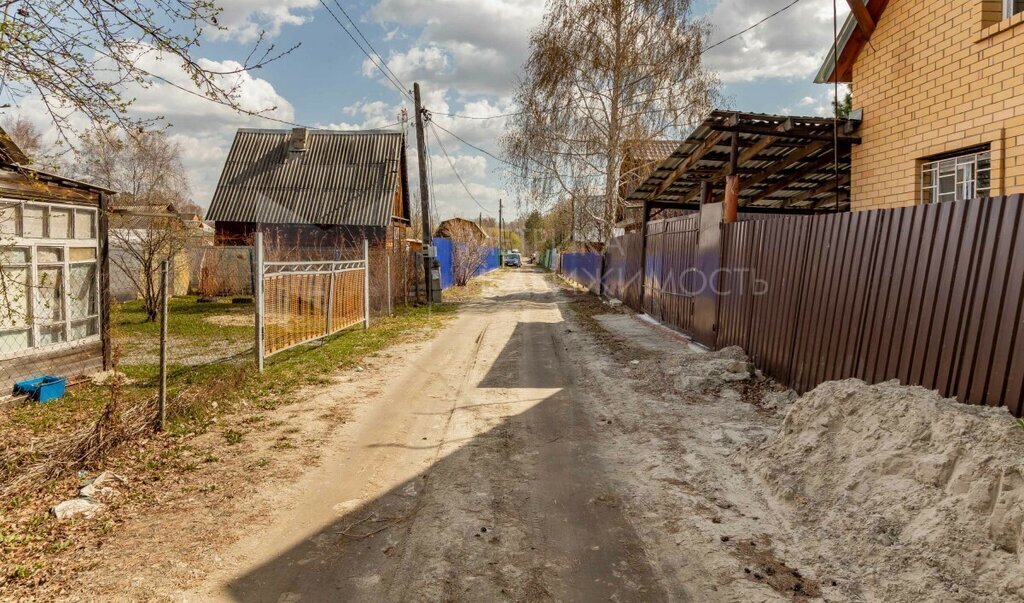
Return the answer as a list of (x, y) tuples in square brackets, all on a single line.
[(603, 75)]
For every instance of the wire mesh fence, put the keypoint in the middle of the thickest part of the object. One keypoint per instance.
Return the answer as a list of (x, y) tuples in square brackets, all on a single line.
[(65, 312)]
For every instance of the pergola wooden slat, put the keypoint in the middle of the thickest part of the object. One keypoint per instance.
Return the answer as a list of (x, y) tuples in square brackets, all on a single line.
[(773, 161)]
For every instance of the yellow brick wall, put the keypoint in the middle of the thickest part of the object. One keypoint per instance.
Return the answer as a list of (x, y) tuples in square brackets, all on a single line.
[(938, 76)]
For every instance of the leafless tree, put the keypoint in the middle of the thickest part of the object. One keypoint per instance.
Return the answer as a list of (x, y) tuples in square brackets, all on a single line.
[(145, 228), (29, 139), (604, 75), (470, 250), (76, 56)]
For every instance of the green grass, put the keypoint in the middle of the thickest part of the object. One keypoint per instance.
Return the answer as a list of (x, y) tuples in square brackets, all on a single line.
[(219, 387)]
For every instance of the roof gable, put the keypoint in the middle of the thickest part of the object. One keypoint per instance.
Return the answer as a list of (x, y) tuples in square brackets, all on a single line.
[(852, 40), (340, 178)]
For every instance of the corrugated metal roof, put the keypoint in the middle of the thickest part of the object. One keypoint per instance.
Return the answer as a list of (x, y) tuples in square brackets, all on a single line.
[(654, 150), (343, 178), (778, 189)]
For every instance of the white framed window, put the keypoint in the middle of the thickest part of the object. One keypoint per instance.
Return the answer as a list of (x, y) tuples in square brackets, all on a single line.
[(49, 276), (1012, 7), (957, 178)]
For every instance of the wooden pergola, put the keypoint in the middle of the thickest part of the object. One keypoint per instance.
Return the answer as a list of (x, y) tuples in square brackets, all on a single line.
[(756, 162)]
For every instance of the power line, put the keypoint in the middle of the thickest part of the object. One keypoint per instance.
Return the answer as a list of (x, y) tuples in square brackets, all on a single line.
[(394, 82), (456, 172), (506, 162), (480, 117), (740, 33), (383, 63), (473, 146)]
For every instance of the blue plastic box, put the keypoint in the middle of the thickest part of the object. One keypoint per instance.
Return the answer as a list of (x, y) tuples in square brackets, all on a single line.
[(42, 389)]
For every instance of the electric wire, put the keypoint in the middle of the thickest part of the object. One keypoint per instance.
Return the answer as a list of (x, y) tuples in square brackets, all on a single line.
[(456, 172), (394, 82), (740, 33)]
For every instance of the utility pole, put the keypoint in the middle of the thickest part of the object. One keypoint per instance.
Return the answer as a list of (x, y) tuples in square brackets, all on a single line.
[(501, 235), (421, 150)]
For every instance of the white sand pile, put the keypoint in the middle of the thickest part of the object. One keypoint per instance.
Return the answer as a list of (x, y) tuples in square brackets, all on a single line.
[(903, 496)]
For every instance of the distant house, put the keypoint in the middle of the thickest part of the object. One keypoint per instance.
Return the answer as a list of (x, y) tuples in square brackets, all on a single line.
[(53, 310), (459, 228), (147, 231), (313, 188), (941, 87)]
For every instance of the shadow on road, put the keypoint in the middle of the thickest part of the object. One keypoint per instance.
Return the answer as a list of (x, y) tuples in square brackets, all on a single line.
[(520, 511)]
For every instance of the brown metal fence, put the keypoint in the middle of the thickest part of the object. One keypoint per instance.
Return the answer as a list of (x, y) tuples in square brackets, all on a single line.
[(621, 275), (931, 295), (670, 275)]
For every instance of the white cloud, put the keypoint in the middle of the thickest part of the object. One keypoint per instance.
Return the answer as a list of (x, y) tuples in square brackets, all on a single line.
[(819, 105), (790, 45), (484, 42), (243, 20)]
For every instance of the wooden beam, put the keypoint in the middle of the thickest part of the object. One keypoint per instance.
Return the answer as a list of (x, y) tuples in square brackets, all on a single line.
[(795, 156), (694, 157), (864, 18), (804, 170), (798, 133), (825, 187)]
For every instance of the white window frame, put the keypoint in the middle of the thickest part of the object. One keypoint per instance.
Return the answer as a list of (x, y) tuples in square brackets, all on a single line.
[(964, 188), (18, 240), (1008, 9)]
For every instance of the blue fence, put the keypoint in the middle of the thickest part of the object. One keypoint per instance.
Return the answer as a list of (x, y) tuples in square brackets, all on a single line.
[(583, 268), (447, 261), (446, 258)]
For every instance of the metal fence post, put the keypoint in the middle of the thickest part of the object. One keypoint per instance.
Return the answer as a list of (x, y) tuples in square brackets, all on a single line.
[(387, 258), (162, 399), (366, 284), (330, 301), (257, 290)]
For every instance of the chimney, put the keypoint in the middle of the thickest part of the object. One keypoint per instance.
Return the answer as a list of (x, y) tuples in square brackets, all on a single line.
[(299, 140)]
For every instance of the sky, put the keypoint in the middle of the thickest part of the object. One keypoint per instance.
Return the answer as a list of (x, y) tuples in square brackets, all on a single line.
[(466, 55)]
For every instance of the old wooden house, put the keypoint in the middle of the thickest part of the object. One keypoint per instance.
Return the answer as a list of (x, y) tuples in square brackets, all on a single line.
[(307, 188), (53, 274)]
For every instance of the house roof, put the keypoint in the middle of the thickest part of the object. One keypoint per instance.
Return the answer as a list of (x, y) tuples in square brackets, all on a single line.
[(10, 152), (652, 150), (852, 40), (785, 162), (15, 173), (340, 178), (448, 228)]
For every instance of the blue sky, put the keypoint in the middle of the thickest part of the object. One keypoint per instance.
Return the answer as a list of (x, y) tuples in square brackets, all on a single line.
[(466, 54)]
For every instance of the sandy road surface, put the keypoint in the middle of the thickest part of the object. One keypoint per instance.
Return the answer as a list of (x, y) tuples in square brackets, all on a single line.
[(473, 476)]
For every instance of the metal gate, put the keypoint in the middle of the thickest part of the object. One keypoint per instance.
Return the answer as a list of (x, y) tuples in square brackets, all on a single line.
[(302, 301), (709, 263)]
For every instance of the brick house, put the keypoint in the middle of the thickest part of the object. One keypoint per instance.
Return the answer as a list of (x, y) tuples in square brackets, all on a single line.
[(941, 86)]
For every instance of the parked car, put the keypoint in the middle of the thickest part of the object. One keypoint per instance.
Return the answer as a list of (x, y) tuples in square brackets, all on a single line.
[(513, 260)]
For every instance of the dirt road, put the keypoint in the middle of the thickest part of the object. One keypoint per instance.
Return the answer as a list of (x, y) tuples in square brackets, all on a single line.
[(474, 476)]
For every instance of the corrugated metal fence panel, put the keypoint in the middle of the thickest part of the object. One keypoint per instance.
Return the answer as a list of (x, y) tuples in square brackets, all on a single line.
[(670, 277), (622, 269), (491, 262), (777, 251), (928, 295), (446, 259), (584, 269)]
